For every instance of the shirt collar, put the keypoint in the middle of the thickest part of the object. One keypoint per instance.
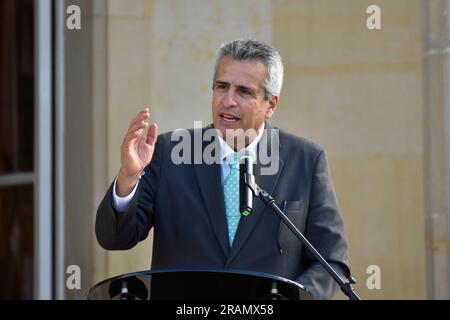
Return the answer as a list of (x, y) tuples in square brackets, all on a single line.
[(226, 150)]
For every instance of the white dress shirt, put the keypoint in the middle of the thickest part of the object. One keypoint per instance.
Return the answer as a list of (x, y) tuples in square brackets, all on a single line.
[(120, 204)]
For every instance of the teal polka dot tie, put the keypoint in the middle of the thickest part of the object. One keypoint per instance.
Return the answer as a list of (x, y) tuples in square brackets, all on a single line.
[(231, 196)]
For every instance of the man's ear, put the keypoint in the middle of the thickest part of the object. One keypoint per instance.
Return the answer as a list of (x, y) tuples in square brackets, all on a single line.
[(273, 102)]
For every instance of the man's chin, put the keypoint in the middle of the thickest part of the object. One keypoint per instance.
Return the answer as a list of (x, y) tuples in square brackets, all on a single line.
[(231, 132), (230, 128)]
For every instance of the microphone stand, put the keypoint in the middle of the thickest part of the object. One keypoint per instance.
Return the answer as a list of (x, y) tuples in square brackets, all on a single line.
[(269, 201)]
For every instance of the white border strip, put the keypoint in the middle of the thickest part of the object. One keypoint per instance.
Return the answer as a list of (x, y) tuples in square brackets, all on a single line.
[(59, 151), (43, 151)]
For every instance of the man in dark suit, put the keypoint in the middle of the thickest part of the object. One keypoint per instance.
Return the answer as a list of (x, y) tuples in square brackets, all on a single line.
[(193, 207)]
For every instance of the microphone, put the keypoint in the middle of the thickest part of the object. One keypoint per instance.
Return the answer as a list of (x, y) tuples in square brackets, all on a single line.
[(246, 178)]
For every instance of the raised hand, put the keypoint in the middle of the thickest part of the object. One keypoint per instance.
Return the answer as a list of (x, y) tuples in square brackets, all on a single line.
[(136, 152)]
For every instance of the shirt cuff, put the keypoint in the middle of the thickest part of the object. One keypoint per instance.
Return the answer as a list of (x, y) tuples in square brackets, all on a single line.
[(121, 204)]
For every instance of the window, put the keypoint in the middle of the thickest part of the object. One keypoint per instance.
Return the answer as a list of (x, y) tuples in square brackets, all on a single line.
[(16, 148)]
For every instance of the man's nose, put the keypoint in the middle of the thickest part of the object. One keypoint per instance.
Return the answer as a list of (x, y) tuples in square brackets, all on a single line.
[(229, 99)]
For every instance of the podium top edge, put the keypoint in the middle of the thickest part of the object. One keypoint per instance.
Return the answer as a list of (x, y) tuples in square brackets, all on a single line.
[(198, 271)]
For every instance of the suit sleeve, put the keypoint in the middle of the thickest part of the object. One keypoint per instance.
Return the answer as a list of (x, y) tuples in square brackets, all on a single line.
[(123, 230), (325, 230)]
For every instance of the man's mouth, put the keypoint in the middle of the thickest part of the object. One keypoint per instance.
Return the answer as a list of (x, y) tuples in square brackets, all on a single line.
[(230, 118)]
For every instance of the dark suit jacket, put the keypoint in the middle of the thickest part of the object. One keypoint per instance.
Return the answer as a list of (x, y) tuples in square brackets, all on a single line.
[(184, 204)]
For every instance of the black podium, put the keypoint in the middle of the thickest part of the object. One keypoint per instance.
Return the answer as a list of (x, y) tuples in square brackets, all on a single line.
[(196, 284)]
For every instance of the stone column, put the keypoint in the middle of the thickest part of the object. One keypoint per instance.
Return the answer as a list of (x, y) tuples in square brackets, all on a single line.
[(436, 62)]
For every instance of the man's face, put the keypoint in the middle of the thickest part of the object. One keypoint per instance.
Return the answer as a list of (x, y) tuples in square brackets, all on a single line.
[(238, 96)]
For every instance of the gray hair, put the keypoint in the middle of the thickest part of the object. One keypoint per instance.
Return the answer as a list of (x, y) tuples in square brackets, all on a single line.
[(259, 51)]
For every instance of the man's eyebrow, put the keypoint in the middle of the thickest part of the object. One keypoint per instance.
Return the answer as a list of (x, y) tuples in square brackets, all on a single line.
[(250, 90), (239, 87), (220, 82), (245, 87)]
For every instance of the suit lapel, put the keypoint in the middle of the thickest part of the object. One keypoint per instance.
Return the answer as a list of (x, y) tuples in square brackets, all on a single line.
[(210, 183), (265, 182)]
